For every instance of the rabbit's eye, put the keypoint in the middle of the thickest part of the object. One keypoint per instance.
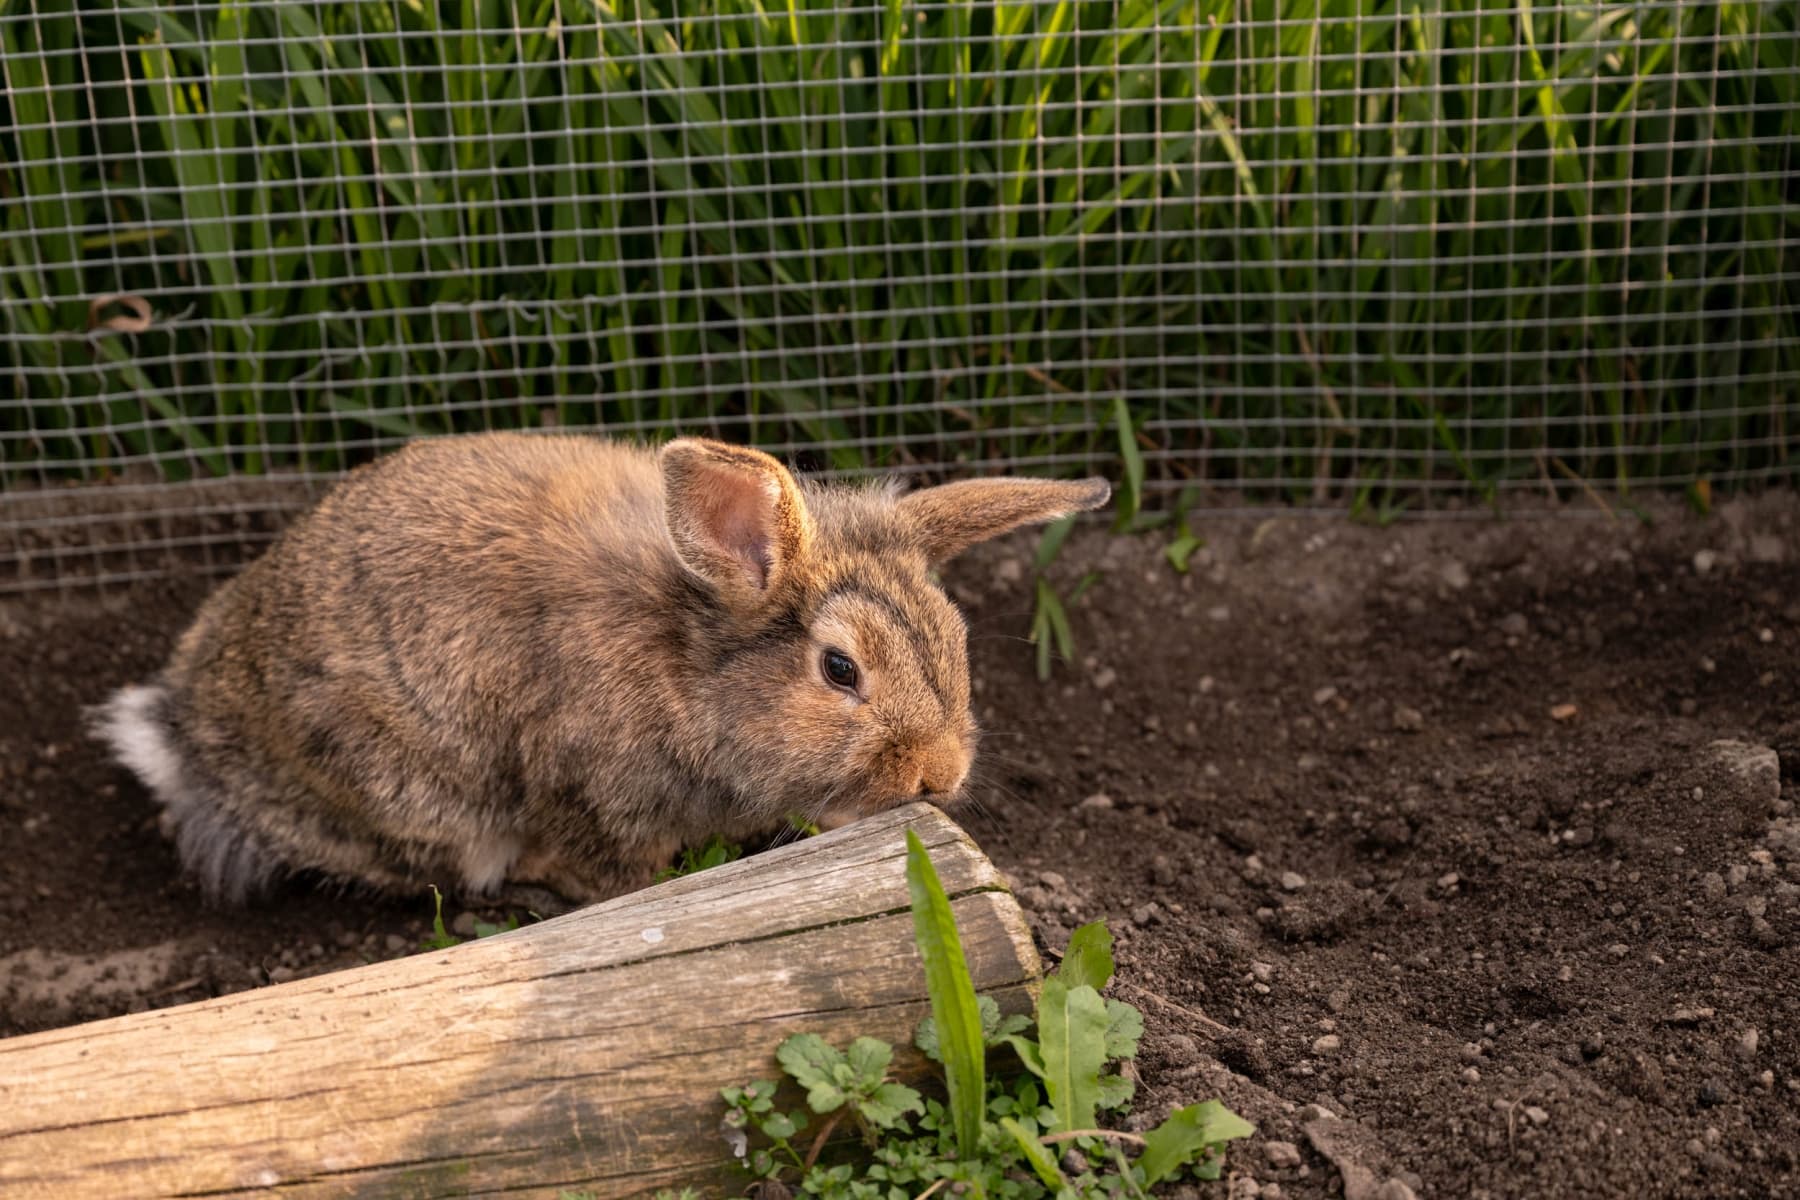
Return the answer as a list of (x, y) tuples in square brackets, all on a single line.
[(839, 670)]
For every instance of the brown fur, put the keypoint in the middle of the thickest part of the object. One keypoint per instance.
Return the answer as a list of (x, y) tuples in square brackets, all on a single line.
[(553, 661)]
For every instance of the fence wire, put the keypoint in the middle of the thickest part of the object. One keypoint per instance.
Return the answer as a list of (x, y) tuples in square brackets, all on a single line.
[(1376, 255)]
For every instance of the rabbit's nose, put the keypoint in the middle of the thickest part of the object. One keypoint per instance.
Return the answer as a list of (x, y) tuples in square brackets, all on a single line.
[(942, 772)]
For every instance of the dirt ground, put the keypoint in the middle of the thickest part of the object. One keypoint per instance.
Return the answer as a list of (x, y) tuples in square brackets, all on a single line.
[(1460, 856)]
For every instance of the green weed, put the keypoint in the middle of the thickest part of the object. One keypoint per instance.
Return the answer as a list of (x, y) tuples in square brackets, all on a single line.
[(1050, 631), (442, 939), (1186, 541), (1002, 1133), (715, 853)]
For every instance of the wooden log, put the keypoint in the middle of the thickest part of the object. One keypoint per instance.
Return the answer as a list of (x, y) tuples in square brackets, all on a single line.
[(583, 1054)]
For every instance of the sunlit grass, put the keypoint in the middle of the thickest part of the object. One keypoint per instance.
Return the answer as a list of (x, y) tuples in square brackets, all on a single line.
[(1340, 246)]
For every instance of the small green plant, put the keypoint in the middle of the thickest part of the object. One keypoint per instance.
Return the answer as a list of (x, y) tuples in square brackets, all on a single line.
[(1186, 540), (1050, 631), (715, 853), (994, 1136), (442, 939), (1130, 516), (1379, 510)]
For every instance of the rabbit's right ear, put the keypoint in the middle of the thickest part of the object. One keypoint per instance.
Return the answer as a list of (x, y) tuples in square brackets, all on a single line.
[(735, 514), (949, 518)]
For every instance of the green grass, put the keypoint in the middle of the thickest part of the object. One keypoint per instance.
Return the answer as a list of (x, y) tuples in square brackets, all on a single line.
[(1334, 250)]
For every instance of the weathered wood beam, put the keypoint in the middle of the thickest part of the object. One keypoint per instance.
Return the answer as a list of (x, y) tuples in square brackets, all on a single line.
[(584, 1053)]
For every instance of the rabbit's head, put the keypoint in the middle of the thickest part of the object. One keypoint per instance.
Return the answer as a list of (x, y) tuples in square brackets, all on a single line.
[(840, 676)]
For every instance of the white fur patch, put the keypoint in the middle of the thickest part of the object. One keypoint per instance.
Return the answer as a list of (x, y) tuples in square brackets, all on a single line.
[(138, 739), (486, 862)]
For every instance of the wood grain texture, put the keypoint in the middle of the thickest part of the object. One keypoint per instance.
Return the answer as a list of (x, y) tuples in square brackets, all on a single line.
[(581, 1054)]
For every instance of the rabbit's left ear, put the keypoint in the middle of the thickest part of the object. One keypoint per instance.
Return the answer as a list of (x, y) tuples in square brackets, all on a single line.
[(948, 519), (736, 516)]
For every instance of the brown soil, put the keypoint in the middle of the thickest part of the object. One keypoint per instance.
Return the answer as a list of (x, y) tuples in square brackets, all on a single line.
[(1420, 843)]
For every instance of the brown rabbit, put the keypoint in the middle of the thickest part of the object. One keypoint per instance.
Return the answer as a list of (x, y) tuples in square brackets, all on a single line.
[(507, 663)]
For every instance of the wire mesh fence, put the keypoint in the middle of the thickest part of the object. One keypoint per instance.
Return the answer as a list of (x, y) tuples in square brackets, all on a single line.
[(1381, 255)]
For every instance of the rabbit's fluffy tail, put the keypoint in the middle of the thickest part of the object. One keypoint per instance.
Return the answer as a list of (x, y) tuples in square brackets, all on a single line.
[(230, 862)]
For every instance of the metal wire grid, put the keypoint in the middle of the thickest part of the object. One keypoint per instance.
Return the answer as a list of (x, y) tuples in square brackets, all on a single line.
[(1339, 254)]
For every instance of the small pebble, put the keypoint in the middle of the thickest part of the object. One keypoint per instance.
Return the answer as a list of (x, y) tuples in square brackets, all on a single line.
[(1618, 949), (1536, 1115), (1162, 871), (1690, 1016), (1408, 720), (395, 943), (1325, 695), (1471, 1075), (1281, 1155), (1262, 972), (1396, 1189), (1767, 548), (1098, 800), (1705, 561), (1563, 712), (1328, 1044), (1292, 881)]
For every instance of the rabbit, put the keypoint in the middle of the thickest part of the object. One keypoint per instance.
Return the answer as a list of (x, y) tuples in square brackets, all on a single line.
[(524, 665)]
